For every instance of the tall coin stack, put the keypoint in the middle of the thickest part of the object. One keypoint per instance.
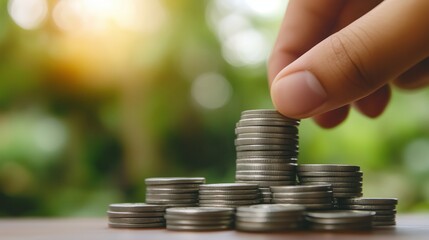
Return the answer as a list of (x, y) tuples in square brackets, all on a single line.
[(384, 208), (228, 195), (136, 215), (199, 218), (346, 180), (267, 148), (173, 192), (313, 197)]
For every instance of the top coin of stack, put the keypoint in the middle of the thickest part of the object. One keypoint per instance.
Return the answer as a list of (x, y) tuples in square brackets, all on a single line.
[(346, 180), (229, 195), (173, 192), (267, 148), (199, 218)]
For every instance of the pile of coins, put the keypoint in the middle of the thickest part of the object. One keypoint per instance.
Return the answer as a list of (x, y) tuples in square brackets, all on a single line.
[(346, 180), (269, 217), (338, 220), (136, 215), (384, 208), (173, 192), (199, 218), (229, 195), (314, 197)]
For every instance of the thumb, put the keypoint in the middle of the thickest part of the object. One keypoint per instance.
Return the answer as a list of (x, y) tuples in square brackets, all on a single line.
[(355, 61)]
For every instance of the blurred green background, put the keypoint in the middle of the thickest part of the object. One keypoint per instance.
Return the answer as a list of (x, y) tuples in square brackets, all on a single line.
[(97, 95)]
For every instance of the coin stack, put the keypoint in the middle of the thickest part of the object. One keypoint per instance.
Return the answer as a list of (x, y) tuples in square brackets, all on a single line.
[(173, 192), (384, 208), (199, 218), (267, 148), (346, 180), (269, 217), (136, 215), (314, 197), (229, 195), (339, 220)]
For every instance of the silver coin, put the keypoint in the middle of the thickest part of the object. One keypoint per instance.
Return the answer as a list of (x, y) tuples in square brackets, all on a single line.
[(210, 222), (272, 141), (262, 147), (269, 135), (230, 201), (266, 129), (301, 188), (384, 218), (384, 223), (335, 220), (197, 228), (303, 200), (135, 207), (183, 186), (200, 211), (348, 195), (249, 217), (271, 154), (171, 196), (331, 179), (336, 184), (220, 205), (264, 177), (338, 214), (262, 227), (139, 225), (171, 201), (112, 214), (272, 209), (324, 194), (385, 212), (268, 183), (171, 205), (369, 207), (341, 227), (275, 117), (268, 161), (174, 180), (265, 173), (230, 197), (265, 189), (171, 191), (370, 201), (229, 192), (266, 166), (330, 174), (196, 217), (317, 206), (137, 220), (347, 190), (229, 186), (264, 122), (328, 168)]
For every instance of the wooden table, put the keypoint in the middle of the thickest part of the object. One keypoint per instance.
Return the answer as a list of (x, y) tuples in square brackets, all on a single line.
[(409, 227)]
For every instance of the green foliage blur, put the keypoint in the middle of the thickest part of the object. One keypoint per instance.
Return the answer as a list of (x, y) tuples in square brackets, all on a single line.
[(88, 111)]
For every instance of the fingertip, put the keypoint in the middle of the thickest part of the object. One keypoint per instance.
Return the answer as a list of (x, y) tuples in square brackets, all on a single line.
[(332, 118)]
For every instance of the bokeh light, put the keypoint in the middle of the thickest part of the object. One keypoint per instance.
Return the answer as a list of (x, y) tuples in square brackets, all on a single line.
[(28, 14), (211, 90)]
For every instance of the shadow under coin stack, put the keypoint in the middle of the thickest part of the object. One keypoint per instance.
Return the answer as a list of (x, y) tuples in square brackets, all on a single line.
[(267, 147), (384, 208), (228, 195), (173, 192), (136, 215), (269, 217), (312, 197), (346, 180), (199, 218), (339, 220)]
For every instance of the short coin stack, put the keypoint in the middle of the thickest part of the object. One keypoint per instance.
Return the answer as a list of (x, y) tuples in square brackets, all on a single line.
[(199, 218), (339, 220), (267, 148), (136, 215), (384, 208), (346, 180), (269, 217), (173, 192), (229, 195), (315, 197)]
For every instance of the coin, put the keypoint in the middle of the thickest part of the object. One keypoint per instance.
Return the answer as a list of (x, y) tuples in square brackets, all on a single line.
[(261, 227), (265, 147), (266, 129), (268, 161), (183, 186), (269, 135), (206, 211), (264, 177), (170, 190), (171, 196), (369, 207), (211, 222), (229, 186), (174, 180), (331, 179), (347, 190), (170, 201), (139, 225), (268, 183), (135, 207), (265, 173), (271, 141), (112, 214), (338, 214), (229, 192), (327, 168), (263, 122), (330, 174), (137, 220), (370, 201), (230, 202), (347, 195), (303, 200), (265, 166), (301, 188), (341, 227), (320, 194), (271, 154), (384, 223), (198, 217), (197, 228), (229, 197), (335, 184), (272, 209)]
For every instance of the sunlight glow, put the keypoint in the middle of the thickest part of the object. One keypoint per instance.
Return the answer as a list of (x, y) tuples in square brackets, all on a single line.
[(28, 14)]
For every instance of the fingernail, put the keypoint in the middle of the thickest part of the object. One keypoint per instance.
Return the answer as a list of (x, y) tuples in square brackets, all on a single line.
[(297, 94)]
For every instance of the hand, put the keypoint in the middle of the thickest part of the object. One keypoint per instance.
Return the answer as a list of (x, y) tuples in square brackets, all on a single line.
[(333, 53)]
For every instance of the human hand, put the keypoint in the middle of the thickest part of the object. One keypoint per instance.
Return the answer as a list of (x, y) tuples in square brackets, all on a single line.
[(333, 53)]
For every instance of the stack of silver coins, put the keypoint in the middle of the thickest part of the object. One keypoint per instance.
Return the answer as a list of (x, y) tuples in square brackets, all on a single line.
[(269, 217), (229, 195), (339, 220), (199, 218), (314, 197), (174, 191), (266, 195), (267, 148), (384, 208), (346, 180), (136, 215)]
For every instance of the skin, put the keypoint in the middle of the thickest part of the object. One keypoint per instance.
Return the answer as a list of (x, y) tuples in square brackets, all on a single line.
[(334, 54)]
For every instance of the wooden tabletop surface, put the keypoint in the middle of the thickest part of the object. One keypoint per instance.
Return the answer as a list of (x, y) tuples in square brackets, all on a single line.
[(410, 227)]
